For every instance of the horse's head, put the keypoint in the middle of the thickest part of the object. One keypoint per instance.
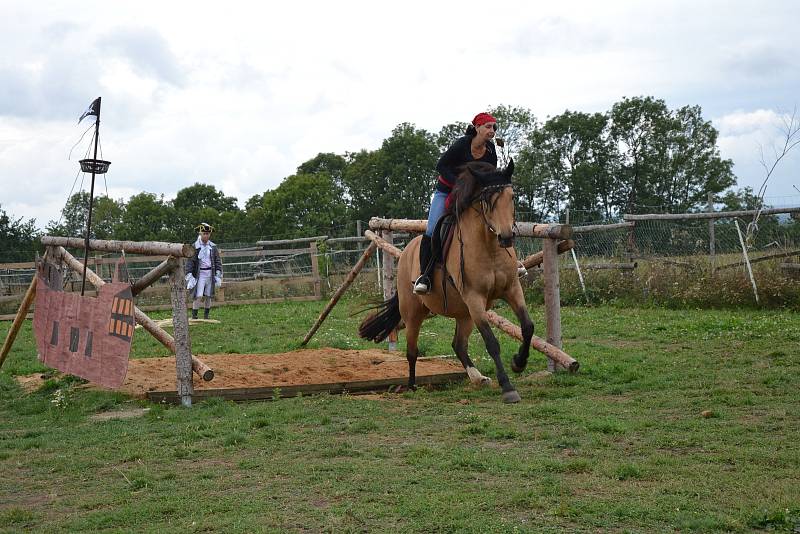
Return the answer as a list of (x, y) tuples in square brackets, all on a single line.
[(483, 184)]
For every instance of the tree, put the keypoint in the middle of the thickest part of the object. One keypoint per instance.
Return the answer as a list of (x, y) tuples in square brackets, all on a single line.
[(396, 180), (200, 196), (667, 159), (303, 205), (106, 217), (19, 239), (148, 218), (575, 154)]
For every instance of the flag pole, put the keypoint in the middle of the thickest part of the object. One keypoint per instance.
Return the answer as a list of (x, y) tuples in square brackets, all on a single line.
[(91, 198)]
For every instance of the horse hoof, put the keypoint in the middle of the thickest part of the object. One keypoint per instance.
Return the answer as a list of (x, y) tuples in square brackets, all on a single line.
[(511, 397), (485, 381), (516, 367)]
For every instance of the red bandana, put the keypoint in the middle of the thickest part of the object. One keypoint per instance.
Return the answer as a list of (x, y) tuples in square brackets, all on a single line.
[(482, 118)]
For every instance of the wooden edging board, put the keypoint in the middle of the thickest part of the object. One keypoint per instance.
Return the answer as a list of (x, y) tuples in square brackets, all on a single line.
[(264, 393)]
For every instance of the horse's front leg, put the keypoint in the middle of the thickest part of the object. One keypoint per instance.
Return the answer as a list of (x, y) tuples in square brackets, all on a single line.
[(460, 346), (516, 299), (477, 309)]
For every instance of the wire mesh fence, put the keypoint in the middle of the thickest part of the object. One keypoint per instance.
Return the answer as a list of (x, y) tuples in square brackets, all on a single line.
[(310, 266)]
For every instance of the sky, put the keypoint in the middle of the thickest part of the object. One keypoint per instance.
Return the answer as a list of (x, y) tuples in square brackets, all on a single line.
[(239, 94)]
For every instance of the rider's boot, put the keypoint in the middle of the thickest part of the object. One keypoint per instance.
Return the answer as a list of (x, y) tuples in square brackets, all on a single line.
[(423, 284)]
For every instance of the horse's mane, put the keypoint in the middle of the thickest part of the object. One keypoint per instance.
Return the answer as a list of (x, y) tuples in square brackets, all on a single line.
[(467, 188)]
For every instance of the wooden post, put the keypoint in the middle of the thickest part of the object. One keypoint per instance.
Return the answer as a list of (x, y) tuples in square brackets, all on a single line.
[(183, 348), (339, 292), (388, 282), (312, 249), (552, 296), (18, 320), (711, 237)]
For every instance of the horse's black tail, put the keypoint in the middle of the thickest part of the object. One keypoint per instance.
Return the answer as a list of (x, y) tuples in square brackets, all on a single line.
[(379, 325)]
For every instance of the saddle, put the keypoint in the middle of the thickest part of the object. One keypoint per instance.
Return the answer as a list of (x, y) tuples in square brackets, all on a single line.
[(442, 238)]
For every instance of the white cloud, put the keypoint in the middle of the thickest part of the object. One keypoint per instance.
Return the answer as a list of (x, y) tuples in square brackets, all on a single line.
[(239, 96)]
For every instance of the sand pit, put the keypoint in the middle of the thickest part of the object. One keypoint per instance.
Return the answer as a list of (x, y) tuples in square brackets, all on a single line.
[(260, 376)]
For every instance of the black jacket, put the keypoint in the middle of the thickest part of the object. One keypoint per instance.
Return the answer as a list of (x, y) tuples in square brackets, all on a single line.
[(460, 153)]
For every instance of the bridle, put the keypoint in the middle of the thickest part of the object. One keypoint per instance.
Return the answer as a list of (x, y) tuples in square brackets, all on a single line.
[(483, 197)]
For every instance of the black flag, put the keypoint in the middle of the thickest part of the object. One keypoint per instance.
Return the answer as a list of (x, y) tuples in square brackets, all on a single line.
[(93, 109)]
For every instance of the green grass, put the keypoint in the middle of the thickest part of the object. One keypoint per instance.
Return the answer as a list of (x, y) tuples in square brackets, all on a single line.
[(621, 446)]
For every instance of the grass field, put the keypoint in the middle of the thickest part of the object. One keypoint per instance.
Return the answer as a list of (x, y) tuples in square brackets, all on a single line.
[(677, 421)]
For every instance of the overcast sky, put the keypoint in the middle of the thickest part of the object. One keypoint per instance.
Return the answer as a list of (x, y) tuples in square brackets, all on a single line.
[(238, 94)]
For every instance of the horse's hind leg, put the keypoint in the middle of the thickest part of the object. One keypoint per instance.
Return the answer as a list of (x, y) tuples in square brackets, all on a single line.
[(412, 351), (460, 346)]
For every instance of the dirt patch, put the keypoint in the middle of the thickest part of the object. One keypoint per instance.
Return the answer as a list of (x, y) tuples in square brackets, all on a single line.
[(297, 368), (30, 383), (128, 413)]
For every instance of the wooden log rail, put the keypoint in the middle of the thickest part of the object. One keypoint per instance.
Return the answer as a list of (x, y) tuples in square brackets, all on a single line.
[(766, 257), (203, 370), (609, 266), (152, 248), (706, 215), (524, 229)]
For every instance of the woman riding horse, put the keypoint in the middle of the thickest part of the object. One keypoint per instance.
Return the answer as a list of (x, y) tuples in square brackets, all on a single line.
[(479, 268)]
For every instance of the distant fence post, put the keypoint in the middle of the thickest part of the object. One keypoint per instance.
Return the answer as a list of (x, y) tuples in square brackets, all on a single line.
[(711, 237), (315, 269), (388, 282)]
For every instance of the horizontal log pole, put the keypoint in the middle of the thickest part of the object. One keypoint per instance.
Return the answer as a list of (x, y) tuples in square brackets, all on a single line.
[(706, 215), (610, 266), (538, 257), (132, 247), (759, 259), (383, 244), (558, 356), (552, 231), (790, 266), (524, 229), (289, 241), (602, 227), (148, 324)]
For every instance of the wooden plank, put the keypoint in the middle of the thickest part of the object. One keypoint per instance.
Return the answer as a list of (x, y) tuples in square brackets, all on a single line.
[(271, 392)]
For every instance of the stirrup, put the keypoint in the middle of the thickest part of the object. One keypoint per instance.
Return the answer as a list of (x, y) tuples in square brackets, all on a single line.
[(422, 286), (521, 270)]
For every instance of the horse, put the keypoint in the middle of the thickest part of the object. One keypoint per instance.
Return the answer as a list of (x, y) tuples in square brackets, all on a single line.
[(479, 268)]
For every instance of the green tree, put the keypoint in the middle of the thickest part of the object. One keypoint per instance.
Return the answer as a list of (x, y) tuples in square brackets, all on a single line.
[(19, 239), (303, 205), (148, 217), (201, 203), (396, 180), (106, 216), (667, 159), (200, 196)]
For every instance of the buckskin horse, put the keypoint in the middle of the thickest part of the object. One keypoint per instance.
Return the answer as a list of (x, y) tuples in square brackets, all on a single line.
[(479, 268)]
